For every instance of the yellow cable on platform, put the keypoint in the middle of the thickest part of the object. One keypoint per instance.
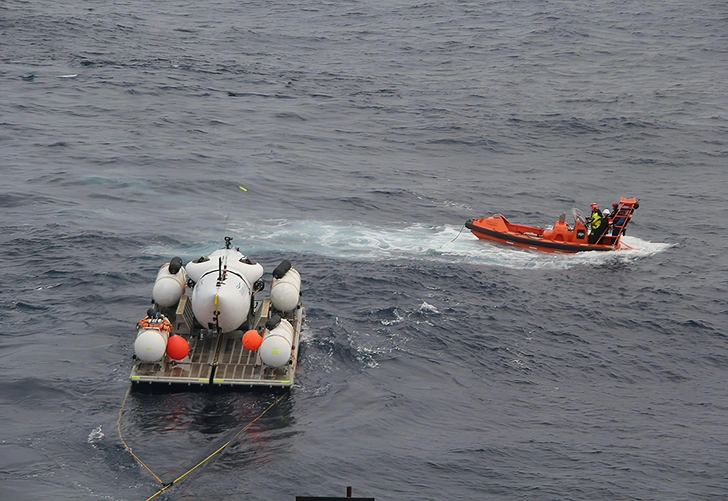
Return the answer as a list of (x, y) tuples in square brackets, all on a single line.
[(167, 486)]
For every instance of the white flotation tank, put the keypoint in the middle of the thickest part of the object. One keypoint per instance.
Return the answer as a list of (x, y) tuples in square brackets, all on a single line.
[(285, 289), (150, 345), (152, 335), (170, 283), (275, 350)]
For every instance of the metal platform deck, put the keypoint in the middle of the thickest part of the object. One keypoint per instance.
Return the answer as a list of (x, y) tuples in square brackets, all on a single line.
[(220, 359)]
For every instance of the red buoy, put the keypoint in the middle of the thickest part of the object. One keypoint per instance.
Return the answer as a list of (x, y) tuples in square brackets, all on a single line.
[(251, 340), (177, 347)]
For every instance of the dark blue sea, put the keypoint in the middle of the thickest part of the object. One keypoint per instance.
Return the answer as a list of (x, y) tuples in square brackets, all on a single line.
[(433, 366)]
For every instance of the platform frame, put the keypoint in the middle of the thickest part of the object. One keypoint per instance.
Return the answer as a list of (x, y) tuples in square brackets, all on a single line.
[(220, 360)]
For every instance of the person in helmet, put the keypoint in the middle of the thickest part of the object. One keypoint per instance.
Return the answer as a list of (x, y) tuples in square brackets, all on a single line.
[(598, 224), (607, 220)]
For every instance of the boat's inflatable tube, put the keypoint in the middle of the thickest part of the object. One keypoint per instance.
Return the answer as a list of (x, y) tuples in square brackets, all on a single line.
[(275, 350), (285, 290), (170, 283), (150, 344)]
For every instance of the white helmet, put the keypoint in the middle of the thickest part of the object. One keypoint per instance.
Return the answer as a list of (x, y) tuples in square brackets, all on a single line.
[(605, 213)]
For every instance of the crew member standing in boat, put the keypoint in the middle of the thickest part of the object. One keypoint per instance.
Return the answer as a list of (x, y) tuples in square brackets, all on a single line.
[(607, 221), (598, 224)]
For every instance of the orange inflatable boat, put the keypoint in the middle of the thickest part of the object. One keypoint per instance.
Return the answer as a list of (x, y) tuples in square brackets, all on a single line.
[(562, 237)]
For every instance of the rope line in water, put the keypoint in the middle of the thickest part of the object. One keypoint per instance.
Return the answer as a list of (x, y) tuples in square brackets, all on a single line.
[(220, 449), (126, 447), (456, 237)]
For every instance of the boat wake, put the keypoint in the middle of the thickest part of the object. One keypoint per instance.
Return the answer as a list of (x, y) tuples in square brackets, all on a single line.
[(453, 244)]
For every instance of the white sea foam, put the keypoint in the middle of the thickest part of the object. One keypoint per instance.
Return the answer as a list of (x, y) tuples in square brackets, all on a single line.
[(95, 435), (360, 242)]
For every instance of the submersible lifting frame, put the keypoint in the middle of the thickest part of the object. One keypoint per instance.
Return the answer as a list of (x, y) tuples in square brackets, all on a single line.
[(220, 359)]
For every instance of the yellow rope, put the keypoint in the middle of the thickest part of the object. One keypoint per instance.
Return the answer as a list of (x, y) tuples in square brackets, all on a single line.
[(128, 449), (167, 486)]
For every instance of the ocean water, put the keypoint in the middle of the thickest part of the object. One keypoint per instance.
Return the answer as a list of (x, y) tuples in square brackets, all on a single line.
[(434, 366)]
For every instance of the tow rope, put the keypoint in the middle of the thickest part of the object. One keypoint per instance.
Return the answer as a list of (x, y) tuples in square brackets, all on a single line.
[(456, 237), (166, 486)]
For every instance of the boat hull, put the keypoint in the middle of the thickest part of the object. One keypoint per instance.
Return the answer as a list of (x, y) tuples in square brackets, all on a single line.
[(526, 241), (561, 237)]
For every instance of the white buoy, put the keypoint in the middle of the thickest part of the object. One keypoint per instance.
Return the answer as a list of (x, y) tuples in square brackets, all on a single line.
[(150, 345), (275, 350), (169, 287), (285, 292)]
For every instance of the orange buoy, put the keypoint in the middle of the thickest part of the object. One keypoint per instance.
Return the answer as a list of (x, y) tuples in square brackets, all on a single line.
[(251, 340), (177, 347)]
